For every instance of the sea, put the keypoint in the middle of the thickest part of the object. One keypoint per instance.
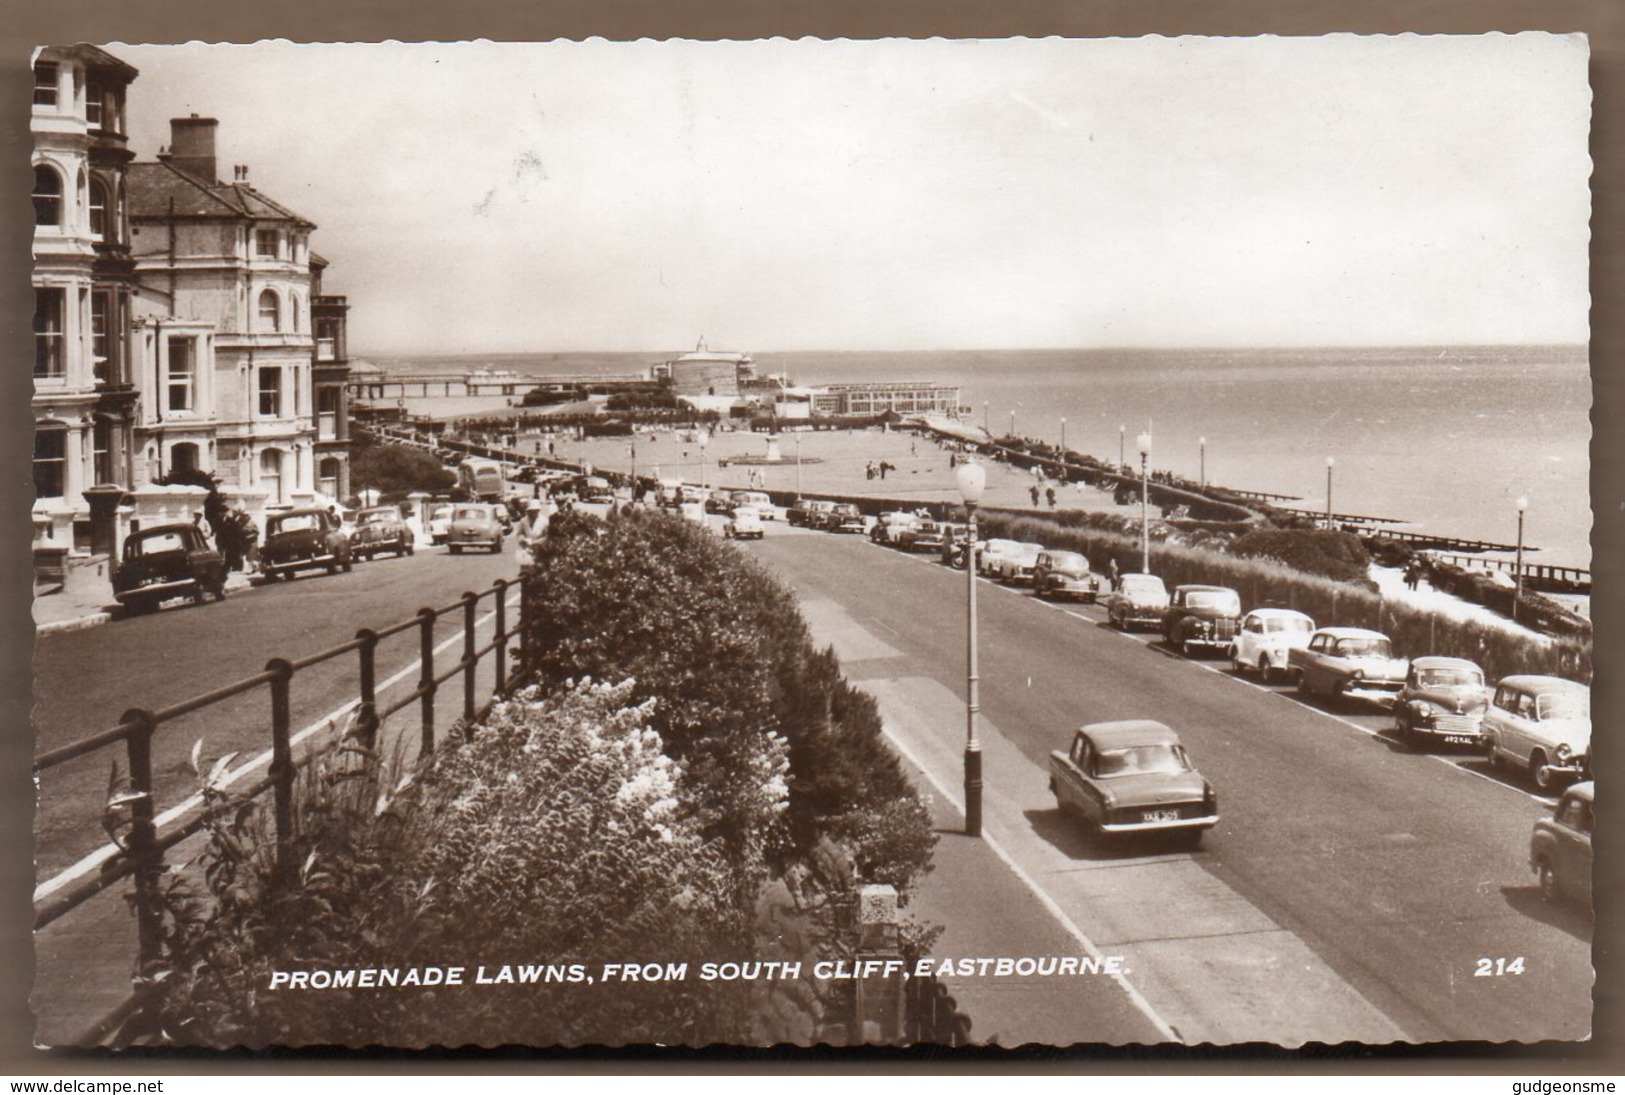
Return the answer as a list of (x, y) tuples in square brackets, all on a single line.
[(1443, 439)]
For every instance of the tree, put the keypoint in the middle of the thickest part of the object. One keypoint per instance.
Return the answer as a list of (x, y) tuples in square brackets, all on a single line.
[(397, 469)]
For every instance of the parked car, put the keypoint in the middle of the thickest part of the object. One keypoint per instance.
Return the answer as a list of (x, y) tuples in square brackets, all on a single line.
[(1139, 601), (1065, 574), (745, 523), (923, 535), (669, 494), (167, 561), (808, 512), (1348, 661), (1132, 776), (691, 493), (988, 553), (844, 517), (759, 499), (439, 522), (890, 526), (594, 488), (301, 539), (381, 529), (1265, 639), (1014, 565), (1560, 847), (474, 525), (693, 511), (1443, 701), (1201, 617), (1541, 725)]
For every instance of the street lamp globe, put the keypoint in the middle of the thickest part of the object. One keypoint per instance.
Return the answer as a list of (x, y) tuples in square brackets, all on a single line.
[(972, 480), (1523, 505), (1331, 462), (1144, 442)]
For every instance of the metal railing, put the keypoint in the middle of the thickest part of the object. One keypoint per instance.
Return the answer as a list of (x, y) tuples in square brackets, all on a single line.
[(141, 854)]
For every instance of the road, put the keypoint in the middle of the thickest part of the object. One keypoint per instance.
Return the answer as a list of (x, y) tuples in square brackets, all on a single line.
[(1353, 887), (85, 680)]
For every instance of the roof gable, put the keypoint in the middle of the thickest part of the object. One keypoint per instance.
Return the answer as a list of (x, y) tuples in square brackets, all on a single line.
[(161, 189)]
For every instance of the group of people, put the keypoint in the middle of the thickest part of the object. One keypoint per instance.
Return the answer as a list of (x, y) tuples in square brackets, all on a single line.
[(236, 535)]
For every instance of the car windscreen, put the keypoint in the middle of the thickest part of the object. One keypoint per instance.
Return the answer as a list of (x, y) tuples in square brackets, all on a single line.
[(1362, 648), (297, 522), (1222, 600), (1066, 560), (1563, 705), (1145, 587), (1451, 677), (377, 517), (1140, 760), (1276, 625), (153, 545), (470, 513)]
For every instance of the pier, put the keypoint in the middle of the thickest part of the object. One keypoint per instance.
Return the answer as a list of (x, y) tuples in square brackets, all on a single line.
[(382, 386)]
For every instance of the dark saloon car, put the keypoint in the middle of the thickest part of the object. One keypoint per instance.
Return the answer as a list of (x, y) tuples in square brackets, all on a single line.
[(1560, 847), (381, 529), (1201, 617), (1443, 700), (1065, 574), (168, 561), (1132, 776), (844, 517), (303, 539)]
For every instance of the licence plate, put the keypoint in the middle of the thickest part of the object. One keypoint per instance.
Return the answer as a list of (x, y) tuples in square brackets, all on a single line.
[(1150, 816), (1459, 739)]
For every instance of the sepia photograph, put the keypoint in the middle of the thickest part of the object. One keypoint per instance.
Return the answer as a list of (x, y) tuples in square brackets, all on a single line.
[(900, 542)]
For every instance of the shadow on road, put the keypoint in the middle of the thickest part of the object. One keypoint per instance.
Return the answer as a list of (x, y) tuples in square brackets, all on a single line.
[(1077, 839), (1568, 916)]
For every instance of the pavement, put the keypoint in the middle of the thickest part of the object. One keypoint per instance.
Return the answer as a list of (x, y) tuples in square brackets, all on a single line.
[(85, 599)]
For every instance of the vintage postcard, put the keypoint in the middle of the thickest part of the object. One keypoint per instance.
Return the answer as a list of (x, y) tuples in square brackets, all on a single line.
[(895, 542)]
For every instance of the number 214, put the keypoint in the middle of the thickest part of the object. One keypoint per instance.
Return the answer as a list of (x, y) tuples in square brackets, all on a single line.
[(1498, 967)]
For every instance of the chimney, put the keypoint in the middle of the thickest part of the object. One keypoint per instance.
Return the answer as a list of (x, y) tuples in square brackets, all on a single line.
[(191, 146)]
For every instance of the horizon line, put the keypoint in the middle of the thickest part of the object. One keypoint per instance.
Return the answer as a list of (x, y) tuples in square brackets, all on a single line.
[(1017, 349)]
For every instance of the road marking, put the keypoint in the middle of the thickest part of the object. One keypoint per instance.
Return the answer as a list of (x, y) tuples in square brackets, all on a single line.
[(95, 859), (1055, 910)]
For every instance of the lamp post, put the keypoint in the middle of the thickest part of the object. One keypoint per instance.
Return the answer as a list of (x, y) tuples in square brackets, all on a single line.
[(705, 462), (1063, 438), (798, 467), (1331, 462), (1122, 432), (1202, 478), (1517, 594), (1144, 441), (984, 417), (632, 445), (972, 480)]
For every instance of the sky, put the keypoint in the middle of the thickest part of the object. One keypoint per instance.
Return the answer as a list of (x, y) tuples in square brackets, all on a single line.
[(916, 195)]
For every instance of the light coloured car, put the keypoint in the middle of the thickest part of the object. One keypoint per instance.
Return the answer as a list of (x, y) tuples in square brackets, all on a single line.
[(439, 522), (1542, 726), (1016, 565), (1348, 662), (1560, 847), (1266, 638), (474, 525), (745, 523), (760, 500), (890, 527), (1139, 601), (988, 552), (693, 511), (1132, 776)]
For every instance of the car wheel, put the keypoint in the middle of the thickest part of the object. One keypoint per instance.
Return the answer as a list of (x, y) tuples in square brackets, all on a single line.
[(332, 568), (1548, 880), (348, 566), (1542, 775), (219, 590), (456, 549), (1302, 683)]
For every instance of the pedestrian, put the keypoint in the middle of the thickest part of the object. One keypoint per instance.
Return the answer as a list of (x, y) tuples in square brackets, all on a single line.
[(911, 451), (251, 543), (1049, 492), (1112, 572), (1033, 490)]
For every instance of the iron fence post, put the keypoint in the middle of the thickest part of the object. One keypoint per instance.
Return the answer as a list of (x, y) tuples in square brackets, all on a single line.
[(144, 835), (366, 725), (426, 683), (282, 770), (471, 604), (502, 636)]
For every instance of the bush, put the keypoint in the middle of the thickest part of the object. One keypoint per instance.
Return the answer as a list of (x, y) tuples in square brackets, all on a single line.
[(392, 469), (720, 647), (1328, 552)]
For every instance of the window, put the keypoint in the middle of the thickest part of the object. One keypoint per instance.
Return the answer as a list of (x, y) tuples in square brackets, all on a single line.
[(45, 83), (182, 381), (50, 308), (101, 440), (270, 388), (271, 480), (183, 457), (100, 346), (47, 196), (327, 342), (50, 460), (93, 107), (98, 209), (328, 477), (265, 243), (327, 414), (270, 312)]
